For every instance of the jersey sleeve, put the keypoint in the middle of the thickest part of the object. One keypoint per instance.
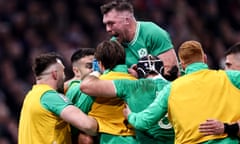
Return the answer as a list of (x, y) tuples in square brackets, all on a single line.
[(73, 92), (129, 88), (160, 41), (85, 102), (120, 88), (151, 115), (54, 102), (80, 99)]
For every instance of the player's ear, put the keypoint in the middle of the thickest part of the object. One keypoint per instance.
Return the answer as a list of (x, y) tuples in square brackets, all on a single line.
[(183, 65), (54, 74), (75, 70), (205, 58)]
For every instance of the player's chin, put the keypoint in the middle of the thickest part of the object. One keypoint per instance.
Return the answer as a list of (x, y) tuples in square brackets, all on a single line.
[(119, 39)]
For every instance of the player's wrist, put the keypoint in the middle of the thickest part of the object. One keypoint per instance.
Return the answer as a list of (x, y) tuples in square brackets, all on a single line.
[(95, 73), (231, 129)]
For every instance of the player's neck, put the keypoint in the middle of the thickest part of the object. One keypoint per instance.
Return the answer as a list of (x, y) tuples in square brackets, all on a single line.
[(132, 30)]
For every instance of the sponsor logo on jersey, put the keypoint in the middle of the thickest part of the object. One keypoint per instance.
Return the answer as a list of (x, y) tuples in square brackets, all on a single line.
[(64, 98)]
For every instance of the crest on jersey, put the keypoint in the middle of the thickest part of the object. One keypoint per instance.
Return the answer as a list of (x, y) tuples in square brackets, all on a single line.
[(142, 52), (164, 123)]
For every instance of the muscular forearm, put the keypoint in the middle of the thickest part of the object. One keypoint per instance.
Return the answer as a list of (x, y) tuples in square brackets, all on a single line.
[(87, 85), (78, 119), (93, 86), (169, 59), (92, 127)]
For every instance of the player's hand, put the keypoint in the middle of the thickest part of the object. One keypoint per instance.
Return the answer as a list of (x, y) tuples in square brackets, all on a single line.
[(211, 127), (238, 122), (133, 70), (126, 111)]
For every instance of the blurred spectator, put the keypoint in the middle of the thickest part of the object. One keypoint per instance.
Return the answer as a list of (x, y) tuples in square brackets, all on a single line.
[(31, 27)]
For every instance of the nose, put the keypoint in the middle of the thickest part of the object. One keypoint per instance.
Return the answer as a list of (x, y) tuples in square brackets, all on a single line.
[(108, 28)]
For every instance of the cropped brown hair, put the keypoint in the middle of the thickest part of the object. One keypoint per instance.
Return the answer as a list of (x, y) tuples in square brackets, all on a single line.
[(118, 5), (43, 61), (190, 52), (110, 53)]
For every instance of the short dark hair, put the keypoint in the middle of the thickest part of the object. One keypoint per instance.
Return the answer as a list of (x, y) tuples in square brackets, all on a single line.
[(118, 5), (43, 61), (110, 53), (82, 52), (233, 49)]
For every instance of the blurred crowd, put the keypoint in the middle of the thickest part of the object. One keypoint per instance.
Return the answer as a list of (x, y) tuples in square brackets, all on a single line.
[(31, 27)]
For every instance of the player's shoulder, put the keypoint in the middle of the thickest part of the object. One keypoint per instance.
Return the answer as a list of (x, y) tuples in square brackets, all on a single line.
[(146, 23), (150, 27)]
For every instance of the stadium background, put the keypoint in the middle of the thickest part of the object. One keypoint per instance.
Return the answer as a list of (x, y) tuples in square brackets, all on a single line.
[(30, 27)]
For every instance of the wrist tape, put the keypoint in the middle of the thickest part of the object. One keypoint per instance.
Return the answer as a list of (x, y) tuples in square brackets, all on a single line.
[(231, 130)]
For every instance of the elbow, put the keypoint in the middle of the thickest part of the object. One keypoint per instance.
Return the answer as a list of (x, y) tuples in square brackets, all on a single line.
[(92, 131), (92, 128)]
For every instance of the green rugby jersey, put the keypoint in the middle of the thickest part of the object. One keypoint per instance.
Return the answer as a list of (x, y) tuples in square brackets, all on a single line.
[(79, 99), (149, 39), (139, 95), (160, 106)]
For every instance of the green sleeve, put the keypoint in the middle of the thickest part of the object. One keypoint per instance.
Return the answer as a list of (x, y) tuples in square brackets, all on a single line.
[(85, 102), (54, 102), (73, 92), (130, 88), (159, 40), (122, 88), (154, 112), (80, 99), (234, 77)]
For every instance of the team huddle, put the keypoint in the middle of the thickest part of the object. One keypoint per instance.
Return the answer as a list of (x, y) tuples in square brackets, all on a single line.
[(133, 89)]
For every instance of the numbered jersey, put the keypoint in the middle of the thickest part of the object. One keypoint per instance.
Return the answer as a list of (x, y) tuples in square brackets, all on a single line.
[(139, 95)]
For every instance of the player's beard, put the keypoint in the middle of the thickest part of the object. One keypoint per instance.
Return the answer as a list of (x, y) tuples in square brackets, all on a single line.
[(60, 86)]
